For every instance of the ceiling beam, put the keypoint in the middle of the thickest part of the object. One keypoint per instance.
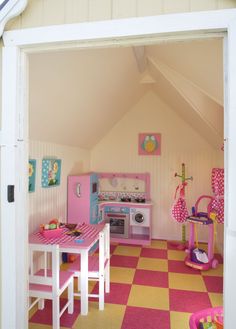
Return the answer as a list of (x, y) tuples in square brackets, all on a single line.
[(141, 59)]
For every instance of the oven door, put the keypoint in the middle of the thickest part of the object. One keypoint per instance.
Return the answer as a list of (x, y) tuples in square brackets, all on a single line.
[(119, 225)]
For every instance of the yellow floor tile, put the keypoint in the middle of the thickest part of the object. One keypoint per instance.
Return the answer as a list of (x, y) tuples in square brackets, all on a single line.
[(179, 320), (189, 282), (127, 251), (203, 246), (216, 299), (40, 326), (90, 288), (151, 297), (214, 271), (176, 255), (158, 244), (153, 264), (33, 309), (111, 317), (122, 275)]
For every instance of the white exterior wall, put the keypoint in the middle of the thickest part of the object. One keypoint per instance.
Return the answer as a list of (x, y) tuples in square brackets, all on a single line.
[(52, 12), (231, 205), (48, 203)]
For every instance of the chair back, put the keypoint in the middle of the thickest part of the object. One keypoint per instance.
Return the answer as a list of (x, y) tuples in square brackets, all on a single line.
[(48, 274), (104, 246)]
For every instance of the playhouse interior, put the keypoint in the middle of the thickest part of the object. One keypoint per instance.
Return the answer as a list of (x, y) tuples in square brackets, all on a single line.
[(88, 107)]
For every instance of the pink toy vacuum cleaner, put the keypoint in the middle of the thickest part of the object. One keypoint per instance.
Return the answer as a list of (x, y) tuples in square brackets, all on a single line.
[(198, 258)]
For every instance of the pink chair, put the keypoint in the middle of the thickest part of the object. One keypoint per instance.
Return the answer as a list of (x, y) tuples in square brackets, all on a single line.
[(98, 267), (49, 282)]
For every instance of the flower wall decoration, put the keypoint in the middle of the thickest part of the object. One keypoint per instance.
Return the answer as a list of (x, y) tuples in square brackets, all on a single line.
[(51, 172), (149, 144), (32, 175)]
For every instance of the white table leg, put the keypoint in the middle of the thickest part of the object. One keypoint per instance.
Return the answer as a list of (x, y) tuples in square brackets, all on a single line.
[(84, 282)]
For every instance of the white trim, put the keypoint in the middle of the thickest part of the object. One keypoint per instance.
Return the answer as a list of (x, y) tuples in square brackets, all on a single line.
[(134, 31), (230, 179), (11, 9), (138, 27), (14, 222), (8, 210)]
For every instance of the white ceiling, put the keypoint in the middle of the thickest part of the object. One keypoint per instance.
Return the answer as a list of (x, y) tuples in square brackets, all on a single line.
[(77, 96)]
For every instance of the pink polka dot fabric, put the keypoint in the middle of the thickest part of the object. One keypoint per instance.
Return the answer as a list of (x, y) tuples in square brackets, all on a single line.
[(179, 211), (217, 182)]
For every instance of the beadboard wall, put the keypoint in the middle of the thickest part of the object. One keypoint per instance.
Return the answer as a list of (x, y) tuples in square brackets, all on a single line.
[(118, 152), (52, 12), (47, 203)]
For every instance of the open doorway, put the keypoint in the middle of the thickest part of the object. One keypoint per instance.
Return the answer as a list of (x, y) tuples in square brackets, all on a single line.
[(87, 107)]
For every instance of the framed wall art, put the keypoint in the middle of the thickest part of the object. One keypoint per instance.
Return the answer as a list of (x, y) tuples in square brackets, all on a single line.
[(32, 175), (51, 172), (149, 144)]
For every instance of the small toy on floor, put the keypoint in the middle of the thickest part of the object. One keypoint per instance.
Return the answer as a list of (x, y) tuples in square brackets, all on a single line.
[(216, 324), (207, 325)]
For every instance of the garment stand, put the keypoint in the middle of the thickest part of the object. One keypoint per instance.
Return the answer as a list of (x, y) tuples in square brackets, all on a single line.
[(183, 244)]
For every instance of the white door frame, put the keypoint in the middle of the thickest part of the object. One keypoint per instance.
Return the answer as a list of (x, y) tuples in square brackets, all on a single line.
[(14, 153)]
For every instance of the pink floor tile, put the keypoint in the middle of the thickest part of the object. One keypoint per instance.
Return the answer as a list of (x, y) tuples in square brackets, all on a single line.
[(214, 283), (45, 316), (151, 278), (112, 248), (188, 301), (124, 261), (154, 253), (137, 317), (177, 266), (119, 293), (175, 245)]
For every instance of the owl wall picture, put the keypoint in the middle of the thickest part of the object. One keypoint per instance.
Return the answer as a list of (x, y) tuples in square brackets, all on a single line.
[(149, 144)]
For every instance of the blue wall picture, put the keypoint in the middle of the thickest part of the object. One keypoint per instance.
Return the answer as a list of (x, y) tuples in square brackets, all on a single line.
[(51, 172), (32, 175)]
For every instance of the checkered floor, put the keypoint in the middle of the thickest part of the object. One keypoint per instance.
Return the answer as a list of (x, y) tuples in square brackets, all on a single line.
[(151, 287)]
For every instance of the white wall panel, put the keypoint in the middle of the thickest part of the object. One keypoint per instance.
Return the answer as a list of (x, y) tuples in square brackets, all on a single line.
[(118, 152), (223, 4), (149, 7), (198, 5), (99, 10), (51, 12), (173, 6), (47, 203), (33, 16), (123, 9), (76, 11)]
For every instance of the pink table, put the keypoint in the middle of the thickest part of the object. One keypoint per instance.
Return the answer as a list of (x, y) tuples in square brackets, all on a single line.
[(67, 243)]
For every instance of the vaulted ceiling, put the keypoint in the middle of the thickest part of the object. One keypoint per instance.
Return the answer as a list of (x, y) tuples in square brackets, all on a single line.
[(77, 96)]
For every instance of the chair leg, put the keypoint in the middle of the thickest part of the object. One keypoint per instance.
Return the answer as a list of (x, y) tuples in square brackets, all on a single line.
[(107, 279), (56, 312), (71, 297), (41, 304), (101, 292), (78, 283)]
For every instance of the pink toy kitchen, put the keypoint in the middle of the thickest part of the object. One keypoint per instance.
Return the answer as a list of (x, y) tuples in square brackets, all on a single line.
[(121, 199)]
